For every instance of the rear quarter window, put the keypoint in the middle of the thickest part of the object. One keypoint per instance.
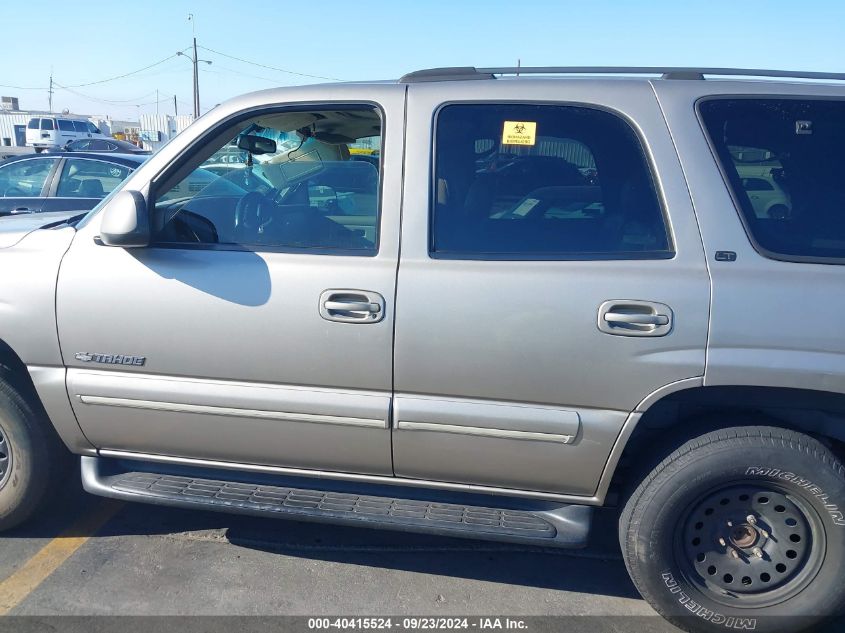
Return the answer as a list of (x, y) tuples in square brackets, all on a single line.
[(784, 164)]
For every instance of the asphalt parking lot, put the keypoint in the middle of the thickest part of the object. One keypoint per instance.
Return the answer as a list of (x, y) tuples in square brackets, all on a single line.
[(92, 556)]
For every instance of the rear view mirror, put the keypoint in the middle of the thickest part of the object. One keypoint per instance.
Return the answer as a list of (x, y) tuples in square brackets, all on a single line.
[(256, 144), (126, 222)]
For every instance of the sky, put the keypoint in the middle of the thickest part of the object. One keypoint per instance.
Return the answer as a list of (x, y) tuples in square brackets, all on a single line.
[(86, 44)]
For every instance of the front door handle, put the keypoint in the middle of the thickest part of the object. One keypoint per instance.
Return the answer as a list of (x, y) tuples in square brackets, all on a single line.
[(351, 306), (631, 317), (636, 319)]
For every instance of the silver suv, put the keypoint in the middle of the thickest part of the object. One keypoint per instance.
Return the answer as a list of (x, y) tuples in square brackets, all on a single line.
[(471, 304)]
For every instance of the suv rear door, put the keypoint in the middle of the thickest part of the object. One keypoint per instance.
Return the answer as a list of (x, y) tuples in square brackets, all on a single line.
[(551, 277)]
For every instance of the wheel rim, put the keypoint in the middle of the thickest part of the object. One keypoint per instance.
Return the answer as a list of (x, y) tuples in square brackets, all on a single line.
[(749, 545), (5, 458)]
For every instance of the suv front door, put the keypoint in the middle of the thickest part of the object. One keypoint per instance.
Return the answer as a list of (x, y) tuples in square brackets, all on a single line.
[(542, 291), (257, 327)]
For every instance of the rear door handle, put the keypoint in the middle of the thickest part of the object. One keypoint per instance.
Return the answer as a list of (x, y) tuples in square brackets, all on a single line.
[(346, 305), (631, 317)]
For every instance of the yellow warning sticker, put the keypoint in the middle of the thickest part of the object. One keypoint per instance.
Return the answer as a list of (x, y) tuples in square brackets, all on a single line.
[(519, 133)]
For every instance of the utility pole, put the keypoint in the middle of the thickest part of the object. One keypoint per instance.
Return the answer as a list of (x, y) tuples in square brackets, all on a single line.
[(50, 92), (195, 61), (175, 107), (196, 83)]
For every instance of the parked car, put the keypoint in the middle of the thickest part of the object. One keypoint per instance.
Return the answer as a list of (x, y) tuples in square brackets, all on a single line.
[(59, 182), (50, 132), (598, 315), (104, 145)]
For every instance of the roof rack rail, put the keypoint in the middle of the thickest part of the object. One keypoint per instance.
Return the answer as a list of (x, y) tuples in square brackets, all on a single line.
[(668, 72)]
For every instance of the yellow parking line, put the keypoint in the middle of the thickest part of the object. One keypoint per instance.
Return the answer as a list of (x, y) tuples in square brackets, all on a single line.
[(37, 569)]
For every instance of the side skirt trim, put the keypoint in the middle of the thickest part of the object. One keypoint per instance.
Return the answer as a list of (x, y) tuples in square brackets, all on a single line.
[(508, 434), (176, 407)]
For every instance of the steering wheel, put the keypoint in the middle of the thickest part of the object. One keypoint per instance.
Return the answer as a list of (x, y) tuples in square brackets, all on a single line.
[(252, 212)]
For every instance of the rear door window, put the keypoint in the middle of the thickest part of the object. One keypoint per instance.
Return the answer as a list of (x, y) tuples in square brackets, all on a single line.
[(542, 182), (80, 126), (65, 125), (33, 124), (85, 178), (783, 161), (47, 124)]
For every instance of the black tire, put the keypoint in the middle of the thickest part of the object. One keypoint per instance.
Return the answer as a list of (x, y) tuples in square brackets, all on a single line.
[(791, 486), (35, 459), (38, 150)]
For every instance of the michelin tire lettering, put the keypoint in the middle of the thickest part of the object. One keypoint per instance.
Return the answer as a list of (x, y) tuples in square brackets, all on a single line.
[(835, 512), (728, 621)]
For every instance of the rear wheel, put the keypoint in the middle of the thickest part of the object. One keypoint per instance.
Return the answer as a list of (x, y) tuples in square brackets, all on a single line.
[(32, 460), (740, 528)]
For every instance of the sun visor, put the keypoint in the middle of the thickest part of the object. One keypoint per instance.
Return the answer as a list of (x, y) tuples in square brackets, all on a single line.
[(290, 167), (288, 121)]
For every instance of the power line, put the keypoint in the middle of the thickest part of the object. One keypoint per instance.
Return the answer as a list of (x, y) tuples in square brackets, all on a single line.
[(281, 70), (132, 101), (134, 72), (239, 73), (22, 87)]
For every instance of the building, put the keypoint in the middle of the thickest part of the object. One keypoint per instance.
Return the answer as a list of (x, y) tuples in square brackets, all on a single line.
[(153, 131)]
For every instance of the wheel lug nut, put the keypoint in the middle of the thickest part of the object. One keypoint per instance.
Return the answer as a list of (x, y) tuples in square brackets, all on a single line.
[(722, 542), (734, 553), (730, 524), (751, 519), (763, 533), (758, 552)]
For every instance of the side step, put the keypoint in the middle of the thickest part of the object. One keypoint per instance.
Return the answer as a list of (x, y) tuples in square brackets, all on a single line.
[(362, 505)]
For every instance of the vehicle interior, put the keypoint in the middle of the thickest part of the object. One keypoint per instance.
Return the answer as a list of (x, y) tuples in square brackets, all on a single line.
[(575, 189), (83, 178), (789, 154), (305, 179)]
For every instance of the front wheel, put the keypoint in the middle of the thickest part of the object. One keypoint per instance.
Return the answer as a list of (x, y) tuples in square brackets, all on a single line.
[(741, 528), (32, 461)]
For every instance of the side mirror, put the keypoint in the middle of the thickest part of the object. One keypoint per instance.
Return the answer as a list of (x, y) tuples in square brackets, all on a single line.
[(256, 144), (126, 221)]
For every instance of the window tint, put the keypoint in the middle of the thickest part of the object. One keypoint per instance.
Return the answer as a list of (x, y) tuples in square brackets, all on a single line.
[(80, 126), (33, 124), (98, 145), (83, 178), (46, 124), (783, 160), (542, 182), (90, 127), (25, 178), (81, 145), (65, 125), (304, 188)]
